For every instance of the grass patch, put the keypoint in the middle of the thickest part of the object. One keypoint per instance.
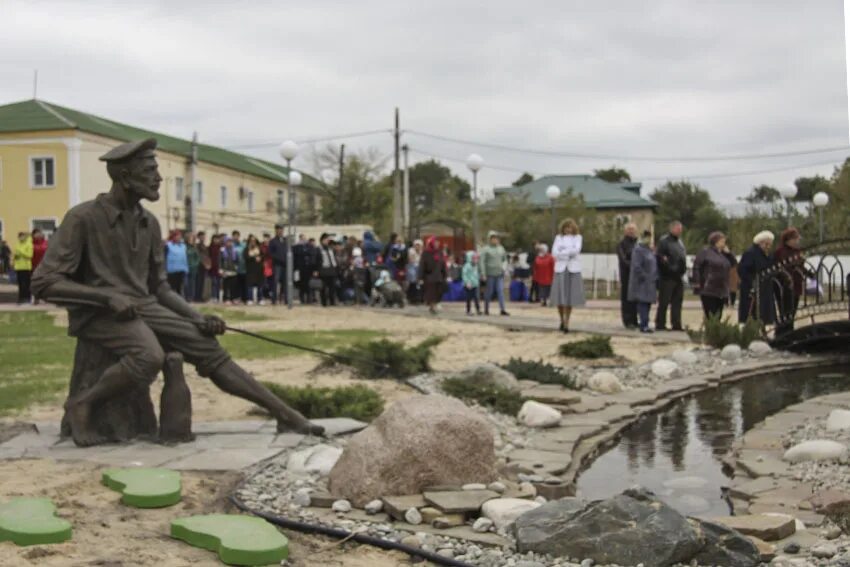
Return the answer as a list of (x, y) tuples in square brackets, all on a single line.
[(242, 346), (498, 398), (233, 315), (389, 359), (357, 401), (597, 346), (718, 333), (35, 360), (540, 371)]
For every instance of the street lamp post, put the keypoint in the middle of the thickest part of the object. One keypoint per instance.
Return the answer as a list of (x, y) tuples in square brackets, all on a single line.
[(288, 151), (820, 200), (552, 193), (474, 162), (788, 192)]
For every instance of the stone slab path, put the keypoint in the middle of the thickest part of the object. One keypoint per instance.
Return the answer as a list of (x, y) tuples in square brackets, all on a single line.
[(219, 446)]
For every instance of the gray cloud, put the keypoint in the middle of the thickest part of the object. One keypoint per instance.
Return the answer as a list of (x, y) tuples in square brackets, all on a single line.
[(667, 77)]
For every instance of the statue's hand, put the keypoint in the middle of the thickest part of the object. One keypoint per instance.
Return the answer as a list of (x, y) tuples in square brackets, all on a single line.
[(122, 308), (212, 325)]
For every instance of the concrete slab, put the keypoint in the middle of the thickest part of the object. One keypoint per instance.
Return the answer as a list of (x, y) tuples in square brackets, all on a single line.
[(539, 456), (31, 440), (396, 506), (140, 455), (636, 397), (218, 460), (550, 445), (255, 440), (748, 489), (287, 440), (243, 426), (589, 403), (548, 468), (11, 453), (762, 463), (459, 502), (340, 425), (48, 427), (761, 439), (571, 432), (546, 394)]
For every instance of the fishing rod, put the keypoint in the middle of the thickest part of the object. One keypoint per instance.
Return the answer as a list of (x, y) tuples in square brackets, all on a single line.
[(383, 368)]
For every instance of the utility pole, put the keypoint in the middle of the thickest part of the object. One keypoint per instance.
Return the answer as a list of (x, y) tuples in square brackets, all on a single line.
[(339, 201), (35, 85), (396, 179), (406, 200), (191, 212)]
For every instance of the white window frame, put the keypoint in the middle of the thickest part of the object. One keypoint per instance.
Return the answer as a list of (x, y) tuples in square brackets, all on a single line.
[(249, 199), (222, 196), (55, 223), (32, 160), (198, 193), (179, 189)]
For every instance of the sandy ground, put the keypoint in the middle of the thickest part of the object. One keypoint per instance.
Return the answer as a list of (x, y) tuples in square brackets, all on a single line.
[(107, 533), (464, 344)]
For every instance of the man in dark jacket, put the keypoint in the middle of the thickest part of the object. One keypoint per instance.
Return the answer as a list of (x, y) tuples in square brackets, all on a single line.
[(628, 309), (672, 265), (277, 250)]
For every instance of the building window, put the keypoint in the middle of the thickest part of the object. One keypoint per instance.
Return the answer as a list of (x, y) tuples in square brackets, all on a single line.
[(1, 230), (199, 193), (47, 226), (223, 193), (250, 201), (178, 188), (42, 172)]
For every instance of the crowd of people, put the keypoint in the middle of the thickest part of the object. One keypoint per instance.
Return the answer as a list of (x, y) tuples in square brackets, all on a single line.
[(651, 275)]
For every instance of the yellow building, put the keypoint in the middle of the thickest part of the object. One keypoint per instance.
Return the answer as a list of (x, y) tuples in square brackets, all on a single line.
[(49, 163)]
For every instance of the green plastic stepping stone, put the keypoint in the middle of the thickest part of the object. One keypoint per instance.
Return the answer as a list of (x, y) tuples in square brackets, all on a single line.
[(238, 540), (32, 521), (145, 488)]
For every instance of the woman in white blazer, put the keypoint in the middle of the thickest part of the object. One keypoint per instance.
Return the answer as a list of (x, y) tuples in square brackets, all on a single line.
[(567, 287)]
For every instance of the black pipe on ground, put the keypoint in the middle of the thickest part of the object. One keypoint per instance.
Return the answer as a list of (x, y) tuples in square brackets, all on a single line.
[(337, 533)]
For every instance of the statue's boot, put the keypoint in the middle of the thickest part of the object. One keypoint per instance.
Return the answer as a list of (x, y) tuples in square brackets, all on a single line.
[(175, 405), (234, 380)]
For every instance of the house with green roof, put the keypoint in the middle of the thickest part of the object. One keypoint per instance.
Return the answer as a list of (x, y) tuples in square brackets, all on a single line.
[(49, 163), (618, 200)]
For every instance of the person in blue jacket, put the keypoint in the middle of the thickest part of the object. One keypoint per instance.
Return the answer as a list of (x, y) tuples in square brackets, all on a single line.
[(371, 248), (176, 261)]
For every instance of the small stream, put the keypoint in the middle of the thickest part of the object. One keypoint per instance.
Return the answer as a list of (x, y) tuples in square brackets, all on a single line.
[(677, 453)]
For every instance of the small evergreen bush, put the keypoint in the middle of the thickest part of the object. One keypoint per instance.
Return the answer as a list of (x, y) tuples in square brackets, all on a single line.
[(498, 398), (357, 401), (540, 371), (389, 359), (719, 333), (597, 346)]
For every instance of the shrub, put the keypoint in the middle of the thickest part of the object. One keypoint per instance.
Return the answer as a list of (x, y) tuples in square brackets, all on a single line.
[(540, 371), (597, 346), (719, 333), (498, 398), (357, 402), (388, 359)]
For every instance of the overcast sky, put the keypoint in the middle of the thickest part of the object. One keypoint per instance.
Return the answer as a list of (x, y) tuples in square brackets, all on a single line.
[(657, 78)]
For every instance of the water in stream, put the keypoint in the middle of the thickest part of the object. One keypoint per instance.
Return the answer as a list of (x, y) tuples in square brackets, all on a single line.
[(677, 453)]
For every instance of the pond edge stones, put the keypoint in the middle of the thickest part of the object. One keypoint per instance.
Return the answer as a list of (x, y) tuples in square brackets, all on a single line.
[(815, 450)]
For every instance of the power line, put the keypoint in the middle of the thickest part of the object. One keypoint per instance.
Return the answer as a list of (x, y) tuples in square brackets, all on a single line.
[(311, 140), (552, 153)]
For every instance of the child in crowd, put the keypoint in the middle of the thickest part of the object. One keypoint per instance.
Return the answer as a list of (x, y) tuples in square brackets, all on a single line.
[(471, 282)]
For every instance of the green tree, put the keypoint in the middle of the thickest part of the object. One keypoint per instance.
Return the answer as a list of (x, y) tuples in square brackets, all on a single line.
[(763, 194), (436, 193), (360, 197), (808, 186), (613, 174), (523, 179), (692, 205)]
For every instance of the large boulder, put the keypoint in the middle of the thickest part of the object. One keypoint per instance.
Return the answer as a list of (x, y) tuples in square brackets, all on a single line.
[(486, 374), (759, 348), (535, 414), (815, 450), (731, 353), (504, 511), (418, 442), (664, 368), (631, 528), (685, 357)]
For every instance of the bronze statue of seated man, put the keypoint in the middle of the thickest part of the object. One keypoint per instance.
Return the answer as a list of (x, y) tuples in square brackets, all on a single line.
[(106, 264)]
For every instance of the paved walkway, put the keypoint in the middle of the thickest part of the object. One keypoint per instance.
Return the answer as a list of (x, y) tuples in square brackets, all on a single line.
[(521, 319), (219, 446)]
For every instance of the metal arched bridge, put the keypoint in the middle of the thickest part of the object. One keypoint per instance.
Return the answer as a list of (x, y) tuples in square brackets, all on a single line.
[(803, 301)]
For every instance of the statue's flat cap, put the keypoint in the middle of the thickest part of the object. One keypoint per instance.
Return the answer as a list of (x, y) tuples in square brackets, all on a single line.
[(129, 150)]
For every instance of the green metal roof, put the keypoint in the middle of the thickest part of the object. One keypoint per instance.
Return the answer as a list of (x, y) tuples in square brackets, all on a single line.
[(597, 193), (38, 115)]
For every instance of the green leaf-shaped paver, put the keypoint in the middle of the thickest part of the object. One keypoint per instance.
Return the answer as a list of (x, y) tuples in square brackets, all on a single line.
[(145, 488), (238, 540), (32, 521)]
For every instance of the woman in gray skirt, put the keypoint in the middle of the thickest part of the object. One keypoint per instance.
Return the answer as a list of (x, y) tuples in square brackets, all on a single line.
[(568, 287)]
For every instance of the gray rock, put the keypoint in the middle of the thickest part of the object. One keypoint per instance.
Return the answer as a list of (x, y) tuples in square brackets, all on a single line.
[(824, 551), (487, 374), (413, 516), (630, 528), (792, 548), (815, 450), (316, 459), (664, 368), (605, 382), (759, 348), (685, 357), (482, 525), (302, 497), (474, 486), (838, 420), (497, 487), (535, 414), (374, 507), (341, 506), (731, 353)]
